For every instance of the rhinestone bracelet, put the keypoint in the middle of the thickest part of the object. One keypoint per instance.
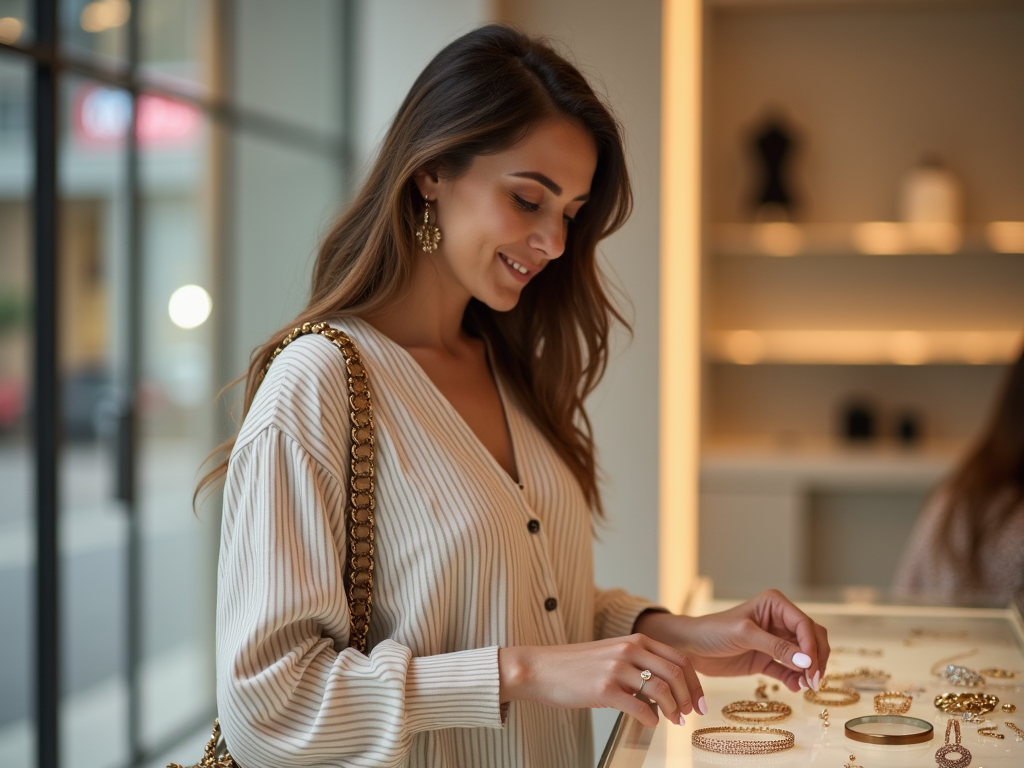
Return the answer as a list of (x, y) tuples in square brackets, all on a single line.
[(743, 746), (758, 712)]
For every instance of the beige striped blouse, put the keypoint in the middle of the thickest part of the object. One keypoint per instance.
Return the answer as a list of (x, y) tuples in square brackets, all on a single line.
[(467, 561)]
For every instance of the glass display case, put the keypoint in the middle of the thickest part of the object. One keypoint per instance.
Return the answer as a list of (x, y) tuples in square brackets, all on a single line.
[(913, 646)]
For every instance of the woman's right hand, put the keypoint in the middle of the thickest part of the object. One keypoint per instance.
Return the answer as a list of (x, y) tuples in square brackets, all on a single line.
[(603, 673)]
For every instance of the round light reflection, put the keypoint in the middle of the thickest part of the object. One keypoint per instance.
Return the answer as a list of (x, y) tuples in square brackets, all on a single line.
[(189, 306)]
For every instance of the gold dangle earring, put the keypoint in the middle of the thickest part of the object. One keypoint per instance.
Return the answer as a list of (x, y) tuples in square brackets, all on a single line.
[(427, 235)]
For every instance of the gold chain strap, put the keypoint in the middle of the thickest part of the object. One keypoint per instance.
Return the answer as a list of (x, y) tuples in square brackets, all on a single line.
[(359, 567), (359, 573)]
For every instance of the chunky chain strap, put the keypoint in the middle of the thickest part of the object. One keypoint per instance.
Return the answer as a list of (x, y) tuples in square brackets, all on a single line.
[(359, 566), (359, 571)]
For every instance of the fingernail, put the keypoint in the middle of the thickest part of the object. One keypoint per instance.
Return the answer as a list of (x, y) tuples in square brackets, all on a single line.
[(816, 680), (682, 720), (702, 705), (803, 684), (802, 660)]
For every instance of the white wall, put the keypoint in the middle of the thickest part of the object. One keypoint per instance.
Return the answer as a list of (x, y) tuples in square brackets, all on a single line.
[(396, 40), (618, 46)]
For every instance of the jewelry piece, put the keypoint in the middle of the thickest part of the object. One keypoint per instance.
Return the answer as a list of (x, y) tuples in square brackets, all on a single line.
[(1013, 727), (861, 677), (990, 731), (853, 757), (743, 746), (892, 703), (859, 651), (915, 730), (427, 235), (974, 703), (644, 677), (762, 711), (964, 754), (823, 715), (963, 676), (999, 673), (969, 718), (761, 692), (846, 696), (1009, 707)]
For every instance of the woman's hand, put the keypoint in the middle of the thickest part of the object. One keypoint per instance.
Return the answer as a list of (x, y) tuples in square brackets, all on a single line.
[(766, 635), (604, 673)]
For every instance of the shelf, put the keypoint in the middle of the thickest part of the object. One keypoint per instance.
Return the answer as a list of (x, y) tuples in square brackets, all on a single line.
[(858, 347), (870, 238)]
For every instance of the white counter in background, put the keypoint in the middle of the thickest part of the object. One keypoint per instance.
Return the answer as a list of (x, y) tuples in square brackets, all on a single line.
[(811, 515)]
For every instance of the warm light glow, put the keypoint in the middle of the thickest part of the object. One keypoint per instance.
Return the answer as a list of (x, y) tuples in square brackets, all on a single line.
[(744, 347), (679, 444), (908, 347), (10, 30), (1005, 236), (189, 306), (863, 347), (933, 237), (778, 238), (878, 238), (102, 15)]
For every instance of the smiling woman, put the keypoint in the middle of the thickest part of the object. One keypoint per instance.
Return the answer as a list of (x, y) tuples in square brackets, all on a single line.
[(465, 273)]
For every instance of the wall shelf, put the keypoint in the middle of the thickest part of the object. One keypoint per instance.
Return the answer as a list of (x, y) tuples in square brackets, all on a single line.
[(865, 239), (862, 347)]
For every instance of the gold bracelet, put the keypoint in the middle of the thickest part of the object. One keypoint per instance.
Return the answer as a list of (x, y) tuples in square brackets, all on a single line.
[(743, 746), (892, 703), (762, 711), (974, 703), (1013, 727), (846, 696), (999, 673)]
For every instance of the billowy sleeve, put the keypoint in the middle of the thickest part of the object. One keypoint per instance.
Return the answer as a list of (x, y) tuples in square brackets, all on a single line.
[(290, 691), (616, 611)]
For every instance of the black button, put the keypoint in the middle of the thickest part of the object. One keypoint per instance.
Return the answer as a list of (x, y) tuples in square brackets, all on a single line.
[(550, 604), (533, 526)]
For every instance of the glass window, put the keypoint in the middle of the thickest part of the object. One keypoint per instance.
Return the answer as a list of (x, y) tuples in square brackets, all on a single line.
[(95, 30), (176, 424), (17, 528)]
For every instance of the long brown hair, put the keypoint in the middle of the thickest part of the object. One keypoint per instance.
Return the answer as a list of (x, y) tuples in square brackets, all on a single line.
[(987, 488), (482, 94)]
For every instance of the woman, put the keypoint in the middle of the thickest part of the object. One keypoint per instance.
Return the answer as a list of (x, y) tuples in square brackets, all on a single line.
[(968, 545), (465, 272)]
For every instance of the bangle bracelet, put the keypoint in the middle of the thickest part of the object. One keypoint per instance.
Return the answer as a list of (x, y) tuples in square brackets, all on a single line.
[(760, 712), (892, 703), (846, 696), (920, 730), (743, 746)]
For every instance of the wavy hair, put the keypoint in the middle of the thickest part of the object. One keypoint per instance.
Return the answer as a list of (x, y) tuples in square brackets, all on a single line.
[(482, 94)]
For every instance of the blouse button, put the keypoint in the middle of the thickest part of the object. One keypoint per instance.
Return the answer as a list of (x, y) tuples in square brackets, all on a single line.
[(533, 526), (550, 604)]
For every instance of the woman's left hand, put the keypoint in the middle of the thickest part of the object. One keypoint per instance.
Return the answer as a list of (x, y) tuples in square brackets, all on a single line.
[(766, 635)]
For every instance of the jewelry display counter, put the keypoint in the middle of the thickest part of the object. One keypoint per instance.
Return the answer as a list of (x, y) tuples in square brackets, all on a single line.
[(904, 656)]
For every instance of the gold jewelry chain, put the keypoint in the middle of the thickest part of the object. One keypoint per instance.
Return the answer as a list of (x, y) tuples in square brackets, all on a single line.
[(975, 703), (700, 740), (359, 568)]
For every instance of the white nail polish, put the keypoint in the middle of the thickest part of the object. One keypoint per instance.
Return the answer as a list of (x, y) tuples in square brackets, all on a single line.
[(702, 706), (803, 684), (802, 660), (816, 680), (682, 720)]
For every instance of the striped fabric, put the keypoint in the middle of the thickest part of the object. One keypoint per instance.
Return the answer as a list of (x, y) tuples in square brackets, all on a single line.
[(467, 561)]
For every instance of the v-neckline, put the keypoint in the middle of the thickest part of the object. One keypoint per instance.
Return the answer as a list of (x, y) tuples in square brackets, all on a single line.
[(458, 418)]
